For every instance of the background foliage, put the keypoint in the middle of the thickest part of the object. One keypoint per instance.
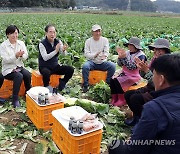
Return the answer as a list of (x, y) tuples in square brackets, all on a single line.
[(74, 29)]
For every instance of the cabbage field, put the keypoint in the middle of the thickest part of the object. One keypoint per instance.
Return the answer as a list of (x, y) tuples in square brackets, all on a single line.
[(74, 29), (17, 133)]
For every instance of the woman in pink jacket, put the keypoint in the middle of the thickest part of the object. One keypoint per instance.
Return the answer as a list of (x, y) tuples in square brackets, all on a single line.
[(130, 72)]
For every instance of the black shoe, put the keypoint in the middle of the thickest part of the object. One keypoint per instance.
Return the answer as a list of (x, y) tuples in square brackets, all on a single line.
[(55, 90), (85, 89), (15, 101), (2, 100), (16, 104), (132, 121), (62, 85)]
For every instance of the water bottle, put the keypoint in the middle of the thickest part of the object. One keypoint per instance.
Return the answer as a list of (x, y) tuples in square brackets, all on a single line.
[(80, 127), (42, 99), (39, 98), (70, 123), (46, 98), (74, 127)]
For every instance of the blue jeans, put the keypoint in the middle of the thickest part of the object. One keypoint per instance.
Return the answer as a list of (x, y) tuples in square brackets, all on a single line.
[(110, 67)]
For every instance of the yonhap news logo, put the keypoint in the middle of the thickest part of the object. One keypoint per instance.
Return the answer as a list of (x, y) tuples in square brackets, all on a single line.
[(116, 143), (149, 142)]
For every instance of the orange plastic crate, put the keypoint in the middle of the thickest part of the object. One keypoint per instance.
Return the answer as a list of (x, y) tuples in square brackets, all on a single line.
[(86, 144), (139, 85), (95, 76), (37, 80), (41, 115), (7, 88)]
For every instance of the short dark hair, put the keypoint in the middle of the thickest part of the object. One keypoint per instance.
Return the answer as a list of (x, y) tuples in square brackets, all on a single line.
[(169, 66), (47, 27), (167, 51), (11, 29)]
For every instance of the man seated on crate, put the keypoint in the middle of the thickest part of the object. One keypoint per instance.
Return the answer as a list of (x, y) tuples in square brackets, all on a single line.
[(157, 131), (96, 51), (49, 49)]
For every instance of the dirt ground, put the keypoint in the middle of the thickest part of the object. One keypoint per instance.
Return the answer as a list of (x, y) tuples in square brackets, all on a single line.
[(13, 118)]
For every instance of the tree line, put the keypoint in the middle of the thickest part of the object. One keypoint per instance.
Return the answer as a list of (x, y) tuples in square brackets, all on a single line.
[(166, 5), (35, 3), (135, 5)]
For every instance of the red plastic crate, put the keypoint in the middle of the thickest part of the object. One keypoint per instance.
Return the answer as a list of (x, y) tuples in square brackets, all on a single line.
[(36, 79), (86, 144), (95, 76), (7, 88), (41, 115)]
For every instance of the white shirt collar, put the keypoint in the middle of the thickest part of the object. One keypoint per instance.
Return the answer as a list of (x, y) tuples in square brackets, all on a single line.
[(9, 43)]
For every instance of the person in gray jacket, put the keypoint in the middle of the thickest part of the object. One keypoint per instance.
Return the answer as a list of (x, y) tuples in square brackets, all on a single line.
[(96, 51)]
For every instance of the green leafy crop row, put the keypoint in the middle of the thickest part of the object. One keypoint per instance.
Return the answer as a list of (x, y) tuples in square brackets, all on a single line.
[(74, 29)]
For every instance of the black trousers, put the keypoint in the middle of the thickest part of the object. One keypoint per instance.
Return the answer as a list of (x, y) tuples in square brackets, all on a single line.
[(67, 71), (136, 99), (115, 87), (1, 80), (17, 78)]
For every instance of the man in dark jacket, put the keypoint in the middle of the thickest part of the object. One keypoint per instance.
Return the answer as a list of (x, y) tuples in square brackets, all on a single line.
[(49, 49), (158, 129)]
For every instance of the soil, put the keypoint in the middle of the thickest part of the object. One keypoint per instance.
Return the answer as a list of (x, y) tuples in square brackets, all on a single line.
[(9, 117), (12, 118), (30, 149)]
